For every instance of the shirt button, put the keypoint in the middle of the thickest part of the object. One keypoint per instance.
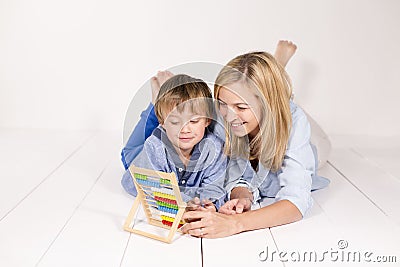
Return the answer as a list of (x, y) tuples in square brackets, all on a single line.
[(183, 181), (180, 169)]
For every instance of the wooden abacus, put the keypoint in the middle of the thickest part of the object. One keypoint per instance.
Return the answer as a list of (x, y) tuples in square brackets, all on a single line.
[(159, 194)]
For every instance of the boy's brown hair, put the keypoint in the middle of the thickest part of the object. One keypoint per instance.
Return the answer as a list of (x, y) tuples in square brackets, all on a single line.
[(180, 90)]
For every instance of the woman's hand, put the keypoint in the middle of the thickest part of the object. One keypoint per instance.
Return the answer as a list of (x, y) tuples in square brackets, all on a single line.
[(210, 224), (237, 205), (157, 81)]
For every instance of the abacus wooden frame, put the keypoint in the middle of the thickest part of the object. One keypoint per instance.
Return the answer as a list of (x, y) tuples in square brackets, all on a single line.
[(141, 199)]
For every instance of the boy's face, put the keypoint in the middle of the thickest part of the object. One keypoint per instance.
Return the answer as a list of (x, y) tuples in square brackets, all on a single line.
[(185, 129)]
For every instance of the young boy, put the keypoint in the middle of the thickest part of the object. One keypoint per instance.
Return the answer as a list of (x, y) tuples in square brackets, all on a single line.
[(182, 143)]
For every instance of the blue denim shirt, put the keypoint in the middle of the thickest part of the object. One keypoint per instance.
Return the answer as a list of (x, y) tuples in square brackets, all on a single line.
[(294, 181), (203, 176)]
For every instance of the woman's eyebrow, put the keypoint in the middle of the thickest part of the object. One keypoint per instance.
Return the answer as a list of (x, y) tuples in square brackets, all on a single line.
[(241, 104), (238, 103)]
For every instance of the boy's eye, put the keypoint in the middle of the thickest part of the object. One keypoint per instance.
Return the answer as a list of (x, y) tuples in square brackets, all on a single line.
[(174, 122), (195, 119), (242, 108)]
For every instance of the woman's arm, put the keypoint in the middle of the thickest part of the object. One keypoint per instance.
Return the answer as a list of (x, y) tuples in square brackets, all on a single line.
[(215, 224), (278, 213)]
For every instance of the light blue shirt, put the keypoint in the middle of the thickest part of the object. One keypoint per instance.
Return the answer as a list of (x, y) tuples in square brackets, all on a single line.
[(297, 177)]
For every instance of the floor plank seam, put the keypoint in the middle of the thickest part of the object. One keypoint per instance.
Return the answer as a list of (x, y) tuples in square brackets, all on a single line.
[(324, 212), (73, 213), (47, 177), (321, 208), (358, 189), (373, 163), (276, 244), (126, 248), (201, 252)]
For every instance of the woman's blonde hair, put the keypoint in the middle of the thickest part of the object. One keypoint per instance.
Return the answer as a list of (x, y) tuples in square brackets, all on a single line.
[(259, 71), (180, 91)]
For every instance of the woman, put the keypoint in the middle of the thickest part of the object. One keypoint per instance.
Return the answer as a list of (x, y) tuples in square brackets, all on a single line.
[(273, 134)]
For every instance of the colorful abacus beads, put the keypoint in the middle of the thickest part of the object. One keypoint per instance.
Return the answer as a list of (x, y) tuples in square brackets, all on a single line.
[(167, 218), (164, 204), (163, 213), (166, 200), (147, 183), (152, 181), (140, 176), (169, 210), (170, 223), (165, 181), (169, 193), (160, 197)]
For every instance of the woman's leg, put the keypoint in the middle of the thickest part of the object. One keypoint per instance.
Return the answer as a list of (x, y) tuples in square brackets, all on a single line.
[(283, 53), (321, 141)]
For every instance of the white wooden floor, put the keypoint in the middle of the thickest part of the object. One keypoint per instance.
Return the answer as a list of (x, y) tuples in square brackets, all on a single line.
[(61, 204)]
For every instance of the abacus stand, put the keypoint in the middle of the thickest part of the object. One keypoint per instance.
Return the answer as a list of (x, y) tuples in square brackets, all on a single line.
[(141, 200)]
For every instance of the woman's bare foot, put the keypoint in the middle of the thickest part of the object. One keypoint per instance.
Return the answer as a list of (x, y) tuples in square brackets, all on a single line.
[(157, 81), (284, 52)]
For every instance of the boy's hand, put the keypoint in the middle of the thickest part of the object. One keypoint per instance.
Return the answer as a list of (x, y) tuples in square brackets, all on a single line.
[(237, 205), (196, 204), (157, 81), (193, 204), (208, 205)]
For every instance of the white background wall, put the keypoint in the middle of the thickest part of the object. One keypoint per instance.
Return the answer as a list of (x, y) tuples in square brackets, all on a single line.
[(77, 64)]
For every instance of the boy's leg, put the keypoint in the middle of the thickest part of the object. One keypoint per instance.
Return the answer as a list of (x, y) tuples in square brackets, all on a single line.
[(127, 183), (157, 81)]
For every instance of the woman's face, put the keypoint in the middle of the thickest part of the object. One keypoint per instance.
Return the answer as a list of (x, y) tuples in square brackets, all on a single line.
[(241, 108)]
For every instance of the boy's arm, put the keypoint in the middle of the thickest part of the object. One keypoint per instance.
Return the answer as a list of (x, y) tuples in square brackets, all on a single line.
[(212, 186), (151, 157), (143, 129)]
